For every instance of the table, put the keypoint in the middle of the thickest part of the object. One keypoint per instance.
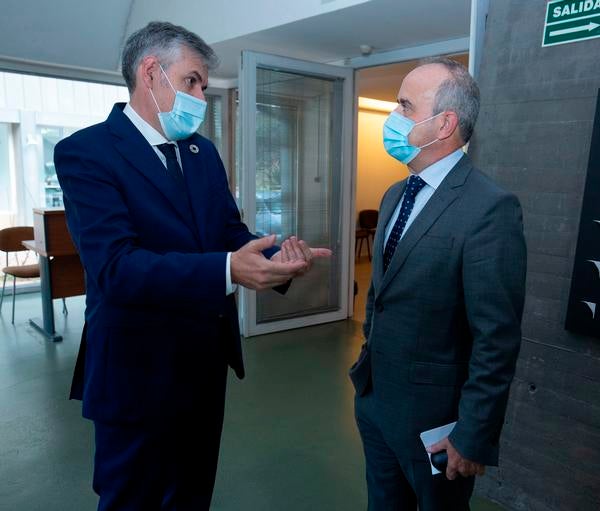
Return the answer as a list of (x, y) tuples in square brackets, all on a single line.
[(61, 272)]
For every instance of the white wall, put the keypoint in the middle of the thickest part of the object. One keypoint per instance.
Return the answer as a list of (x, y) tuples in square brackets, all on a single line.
[(376, 170)]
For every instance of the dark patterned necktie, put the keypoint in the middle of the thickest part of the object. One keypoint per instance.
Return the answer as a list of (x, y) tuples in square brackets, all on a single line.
[(413, 187), (173, 168)]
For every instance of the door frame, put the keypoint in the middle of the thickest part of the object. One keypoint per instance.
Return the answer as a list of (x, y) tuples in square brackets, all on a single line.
[(247, 89)]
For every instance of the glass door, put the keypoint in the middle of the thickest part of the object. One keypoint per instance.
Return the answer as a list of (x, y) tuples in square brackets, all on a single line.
[(296, 139)]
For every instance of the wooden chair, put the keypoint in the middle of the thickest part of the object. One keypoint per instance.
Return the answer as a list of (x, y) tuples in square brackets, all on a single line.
[(10, 241), (367, 224), (361, 235)]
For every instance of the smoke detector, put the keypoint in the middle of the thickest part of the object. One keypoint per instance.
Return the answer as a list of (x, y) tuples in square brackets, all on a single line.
[(365, 50)]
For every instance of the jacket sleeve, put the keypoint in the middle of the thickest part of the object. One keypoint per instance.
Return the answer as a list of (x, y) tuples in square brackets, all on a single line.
[(106, 239), (494, 268)]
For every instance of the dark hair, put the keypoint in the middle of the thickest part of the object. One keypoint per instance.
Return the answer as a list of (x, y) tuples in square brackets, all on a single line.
[(460, 94), (165, 41)]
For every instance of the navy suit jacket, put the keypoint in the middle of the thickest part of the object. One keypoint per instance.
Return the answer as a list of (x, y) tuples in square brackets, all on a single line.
[(154, 256)]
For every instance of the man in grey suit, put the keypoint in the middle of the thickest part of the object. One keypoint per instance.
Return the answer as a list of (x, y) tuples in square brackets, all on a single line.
[(444, 306)]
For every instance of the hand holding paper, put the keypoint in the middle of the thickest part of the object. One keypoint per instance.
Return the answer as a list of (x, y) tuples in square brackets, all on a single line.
[(456, 463)]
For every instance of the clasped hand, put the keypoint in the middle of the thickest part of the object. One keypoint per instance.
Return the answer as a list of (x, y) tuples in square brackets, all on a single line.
[(251, 269)]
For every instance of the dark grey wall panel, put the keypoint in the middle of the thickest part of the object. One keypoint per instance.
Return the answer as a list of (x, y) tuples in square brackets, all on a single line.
[(533, 137)]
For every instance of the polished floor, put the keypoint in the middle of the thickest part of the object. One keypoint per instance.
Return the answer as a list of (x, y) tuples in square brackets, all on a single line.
[(289, 441)]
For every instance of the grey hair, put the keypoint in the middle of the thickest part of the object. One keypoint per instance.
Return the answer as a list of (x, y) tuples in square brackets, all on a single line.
[(460, 94), (164, 40)]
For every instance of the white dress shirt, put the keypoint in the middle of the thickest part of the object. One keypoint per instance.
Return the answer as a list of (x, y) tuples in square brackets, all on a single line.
[(433, 176), (154, 138)]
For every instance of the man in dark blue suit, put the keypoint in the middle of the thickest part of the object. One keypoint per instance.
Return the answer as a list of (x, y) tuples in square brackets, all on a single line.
[(163, 247)]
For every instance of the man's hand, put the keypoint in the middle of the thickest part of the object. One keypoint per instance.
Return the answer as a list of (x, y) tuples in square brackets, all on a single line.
[(251, 269), (456, 463), (293, 250)]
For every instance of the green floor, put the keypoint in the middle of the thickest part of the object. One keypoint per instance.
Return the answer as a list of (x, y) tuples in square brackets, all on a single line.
[(289, 441)]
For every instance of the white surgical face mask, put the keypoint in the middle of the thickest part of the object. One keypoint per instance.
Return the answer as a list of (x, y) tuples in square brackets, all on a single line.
[(186, 116)]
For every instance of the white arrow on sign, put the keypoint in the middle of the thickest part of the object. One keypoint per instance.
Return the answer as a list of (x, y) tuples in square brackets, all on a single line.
[(596, 264), (592, 307), (589, 27)]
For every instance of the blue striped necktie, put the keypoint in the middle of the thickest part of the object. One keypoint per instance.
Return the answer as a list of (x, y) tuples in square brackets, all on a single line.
[(413, 187)]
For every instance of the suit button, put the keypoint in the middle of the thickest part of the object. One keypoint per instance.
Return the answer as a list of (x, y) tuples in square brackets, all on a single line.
[(379, 307)]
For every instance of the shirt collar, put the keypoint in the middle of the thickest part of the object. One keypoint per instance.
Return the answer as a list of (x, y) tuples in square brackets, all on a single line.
[(436, 172), (153, 137)]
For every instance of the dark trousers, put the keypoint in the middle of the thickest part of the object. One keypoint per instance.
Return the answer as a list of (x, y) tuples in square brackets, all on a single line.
[(396, 481), (161, 465)]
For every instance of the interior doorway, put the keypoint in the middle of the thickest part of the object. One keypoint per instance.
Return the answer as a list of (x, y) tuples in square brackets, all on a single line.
[(377, 89)]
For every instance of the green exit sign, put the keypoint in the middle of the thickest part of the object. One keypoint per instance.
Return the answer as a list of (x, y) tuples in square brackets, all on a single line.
[(568, 21)]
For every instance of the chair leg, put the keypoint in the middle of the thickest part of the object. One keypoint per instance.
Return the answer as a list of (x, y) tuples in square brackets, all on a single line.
[(2, 297), (14, 296), (368, 248), (65, 310)]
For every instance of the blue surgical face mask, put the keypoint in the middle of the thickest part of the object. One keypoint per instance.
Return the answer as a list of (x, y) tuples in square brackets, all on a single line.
[(185, 117), (395, 137)]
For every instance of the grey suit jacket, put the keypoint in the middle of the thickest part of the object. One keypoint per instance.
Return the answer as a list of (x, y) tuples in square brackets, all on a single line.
[(443, 322)]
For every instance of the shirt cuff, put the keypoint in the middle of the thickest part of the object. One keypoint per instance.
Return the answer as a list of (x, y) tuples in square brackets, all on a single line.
[(230, 287)]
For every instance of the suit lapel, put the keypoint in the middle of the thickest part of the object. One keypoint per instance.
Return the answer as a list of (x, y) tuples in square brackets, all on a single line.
[(135, 149), (446, 194)]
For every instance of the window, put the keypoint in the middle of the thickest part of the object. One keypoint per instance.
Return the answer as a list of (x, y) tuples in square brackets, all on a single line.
[(276, 165), (51, 192), (38, 112), (212, 127), (6, 199)]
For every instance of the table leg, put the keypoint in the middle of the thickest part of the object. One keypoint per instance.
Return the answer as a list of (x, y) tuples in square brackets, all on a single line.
[(47, 328)]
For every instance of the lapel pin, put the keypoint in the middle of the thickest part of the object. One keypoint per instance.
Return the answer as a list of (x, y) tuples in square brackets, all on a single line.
[(194, 148)]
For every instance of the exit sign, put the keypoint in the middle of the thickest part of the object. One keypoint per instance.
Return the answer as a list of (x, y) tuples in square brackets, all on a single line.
[(568, 21)]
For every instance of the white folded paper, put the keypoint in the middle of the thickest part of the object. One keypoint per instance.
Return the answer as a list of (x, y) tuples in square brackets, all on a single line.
[(433, 436)]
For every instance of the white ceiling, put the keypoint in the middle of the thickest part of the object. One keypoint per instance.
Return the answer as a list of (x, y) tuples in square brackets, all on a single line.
[(335, 36), (83, 38), (64, 33)]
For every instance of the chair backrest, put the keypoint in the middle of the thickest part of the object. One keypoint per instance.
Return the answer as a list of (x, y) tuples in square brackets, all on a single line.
[(367, 218), (11, 238)]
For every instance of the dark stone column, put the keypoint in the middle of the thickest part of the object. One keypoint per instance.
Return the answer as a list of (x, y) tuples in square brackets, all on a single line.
[(533, 137)]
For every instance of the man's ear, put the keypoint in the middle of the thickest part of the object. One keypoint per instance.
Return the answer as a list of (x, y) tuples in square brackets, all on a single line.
[(148, 67), (449, 126)]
